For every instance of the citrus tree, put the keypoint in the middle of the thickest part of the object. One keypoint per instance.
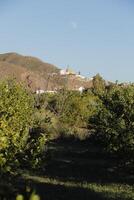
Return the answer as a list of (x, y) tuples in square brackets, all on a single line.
[(16, 111), (72, 110), (113, 124)]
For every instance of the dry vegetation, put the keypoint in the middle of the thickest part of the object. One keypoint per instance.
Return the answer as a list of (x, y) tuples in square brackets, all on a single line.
[(37, 74)]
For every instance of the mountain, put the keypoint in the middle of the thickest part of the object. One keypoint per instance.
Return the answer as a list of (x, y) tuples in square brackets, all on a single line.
[(28, 62), (37, 74)]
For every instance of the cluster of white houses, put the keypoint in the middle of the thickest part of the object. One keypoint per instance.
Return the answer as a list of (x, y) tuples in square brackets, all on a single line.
[(40, 91), (62, 73)]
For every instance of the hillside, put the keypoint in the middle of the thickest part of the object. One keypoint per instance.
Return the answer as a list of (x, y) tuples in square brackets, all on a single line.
[(36, 73), (28, 62)]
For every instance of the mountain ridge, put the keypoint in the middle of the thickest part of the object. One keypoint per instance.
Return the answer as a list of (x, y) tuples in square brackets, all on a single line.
[(37, 74)]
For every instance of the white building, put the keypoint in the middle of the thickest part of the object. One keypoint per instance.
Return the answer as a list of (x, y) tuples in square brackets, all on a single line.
[(45, 91), (40, 91), (63, 72), (80, 76), (81, 89)]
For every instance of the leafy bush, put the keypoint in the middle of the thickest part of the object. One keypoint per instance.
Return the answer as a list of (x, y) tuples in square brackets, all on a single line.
[(16, 117), (114, 122), (32, 197), (68, 113), (98, 84)]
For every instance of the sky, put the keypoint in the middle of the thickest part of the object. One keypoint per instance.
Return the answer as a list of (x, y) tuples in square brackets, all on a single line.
[(90, 36)]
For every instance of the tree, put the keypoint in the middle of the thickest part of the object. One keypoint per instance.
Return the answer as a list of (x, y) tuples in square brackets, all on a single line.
[(72, 110), (16, 112), (114, 122), (98, 84)]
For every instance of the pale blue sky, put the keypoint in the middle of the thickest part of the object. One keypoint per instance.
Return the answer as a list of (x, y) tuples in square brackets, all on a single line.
[(90, 36)]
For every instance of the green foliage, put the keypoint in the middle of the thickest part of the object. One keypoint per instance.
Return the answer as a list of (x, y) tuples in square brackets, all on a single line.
[(32, 197), (19, 197), (114, 122), (16, 111), (98, 84), (34, 153), (74, 108), (65, 113)]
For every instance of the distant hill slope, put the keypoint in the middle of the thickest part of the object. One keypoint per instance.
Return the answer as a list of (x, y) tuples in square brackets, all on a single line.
[(28, 62), (36, 73)]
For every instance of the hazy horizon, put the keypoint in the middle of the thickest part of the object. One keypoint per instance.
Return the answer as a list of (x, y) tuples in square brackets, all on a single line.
[(90, 36)]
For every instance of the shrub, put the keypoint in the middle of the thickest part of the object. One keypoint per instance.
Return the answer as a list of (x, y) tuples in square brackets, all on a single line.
[(98, 84), (72, 110), (114, 122), (32, 197), (16, 116)]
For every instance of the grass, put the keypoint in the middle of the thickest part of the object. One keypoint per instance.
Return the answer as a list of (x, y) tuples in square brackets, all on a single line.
[(96, 191), (82, 171), (79, 171)]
